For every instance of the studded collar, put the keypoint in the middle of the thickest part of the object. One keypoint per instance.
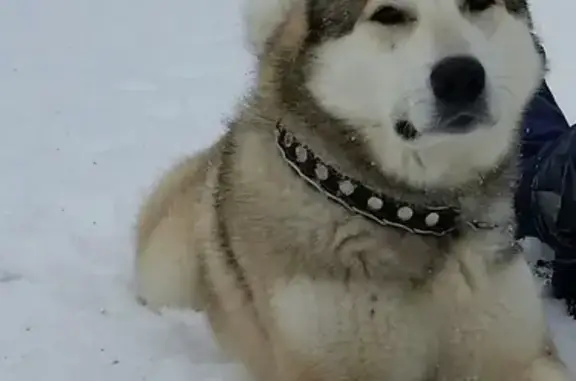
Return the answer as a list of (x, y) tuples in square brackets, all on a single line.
[(359, 198)]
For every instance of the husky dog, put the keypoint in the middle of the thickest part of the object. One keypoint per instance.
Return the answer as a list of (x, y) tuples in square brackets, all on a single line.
[(355, 222)]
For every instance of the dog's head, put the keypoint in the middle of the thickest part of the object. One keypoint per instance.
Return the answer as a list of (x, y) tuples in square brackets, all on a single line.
[(435, 88)]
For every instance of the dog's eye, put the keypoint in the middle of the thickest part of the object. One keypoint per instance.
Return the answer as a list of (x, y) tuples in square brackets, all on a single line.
[(476, 6), (388, 15)]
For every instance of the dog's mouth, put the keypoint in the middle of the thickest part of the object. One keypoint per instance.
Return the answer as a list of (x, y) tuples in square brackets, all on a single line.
[(456, 123)]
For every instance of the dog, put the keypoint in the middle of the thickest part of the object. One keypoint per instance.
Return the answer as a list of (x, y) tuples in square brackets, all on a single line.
[(355, 221)]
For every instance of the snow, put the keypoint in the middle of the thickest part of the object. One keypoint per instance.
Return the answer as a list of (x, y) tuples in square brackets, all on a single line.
[(97, 98)]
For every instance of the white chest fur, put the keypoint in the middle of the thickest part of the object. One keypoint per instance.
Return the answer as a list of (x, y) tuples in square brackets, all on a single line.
[(351, 326), (400, 334)]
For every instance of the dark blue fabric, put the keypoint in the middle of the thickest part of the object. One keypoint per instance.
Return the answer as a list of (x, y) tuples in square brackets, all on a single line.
[(544, 123), (546, 196)]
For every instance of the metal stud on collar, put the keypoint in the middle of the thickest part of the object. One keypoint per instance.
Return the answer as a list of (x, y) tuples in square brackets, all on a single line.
[(355, 196)]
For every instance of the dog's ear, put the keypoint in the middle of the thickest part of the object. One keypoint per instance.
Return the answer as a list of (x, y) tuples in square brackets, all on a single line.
[(261, 18), (288, 38), (284, 45)]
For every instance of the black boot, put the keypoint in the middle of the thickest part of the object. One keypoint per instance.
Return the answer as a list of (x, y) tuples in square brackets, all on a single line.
[(564, 283)]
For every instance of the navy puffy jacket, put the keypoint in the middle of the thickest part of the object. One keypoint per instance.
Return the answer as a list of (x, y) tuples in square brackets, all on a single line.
[(546, 197)]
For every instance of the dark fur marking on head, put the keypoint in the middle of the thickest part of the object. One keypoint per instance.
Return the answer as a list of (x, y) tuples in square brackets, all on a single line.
[(519, 7), (331, 18)]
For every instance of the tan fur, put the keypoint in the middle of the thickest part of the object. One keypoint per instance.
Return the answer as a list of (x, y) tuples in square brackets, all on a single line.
[(316, 293), (169, 219)]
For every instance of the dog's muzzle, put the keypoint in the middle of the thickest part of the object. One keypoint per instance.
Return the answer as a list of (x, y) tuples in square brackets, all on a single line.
[(459, 87), (458, 84)]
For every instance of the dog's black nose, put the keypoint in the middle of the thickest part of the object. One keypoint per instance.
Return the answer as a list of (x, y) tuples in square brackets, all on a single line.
[(458, 81)]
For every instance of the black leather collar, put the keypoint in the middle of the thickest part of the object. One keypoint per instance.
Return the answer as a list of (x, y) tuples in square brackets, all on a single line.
[(355, 196)]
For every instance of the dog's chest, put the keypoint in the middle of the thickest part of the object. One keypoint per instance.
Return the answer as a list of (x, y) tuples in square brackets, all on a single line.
[(395, 331), (354, 325)]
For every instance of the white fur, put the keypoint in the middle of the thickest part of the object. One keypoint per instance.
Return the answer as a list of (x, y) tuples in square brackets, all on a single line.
[(404, 334), (377, 75), (317, 317)]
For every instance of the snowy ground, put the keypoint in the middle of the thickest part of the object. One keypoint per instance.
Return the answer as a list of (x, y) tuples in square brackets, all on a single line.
[(97, 97)]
